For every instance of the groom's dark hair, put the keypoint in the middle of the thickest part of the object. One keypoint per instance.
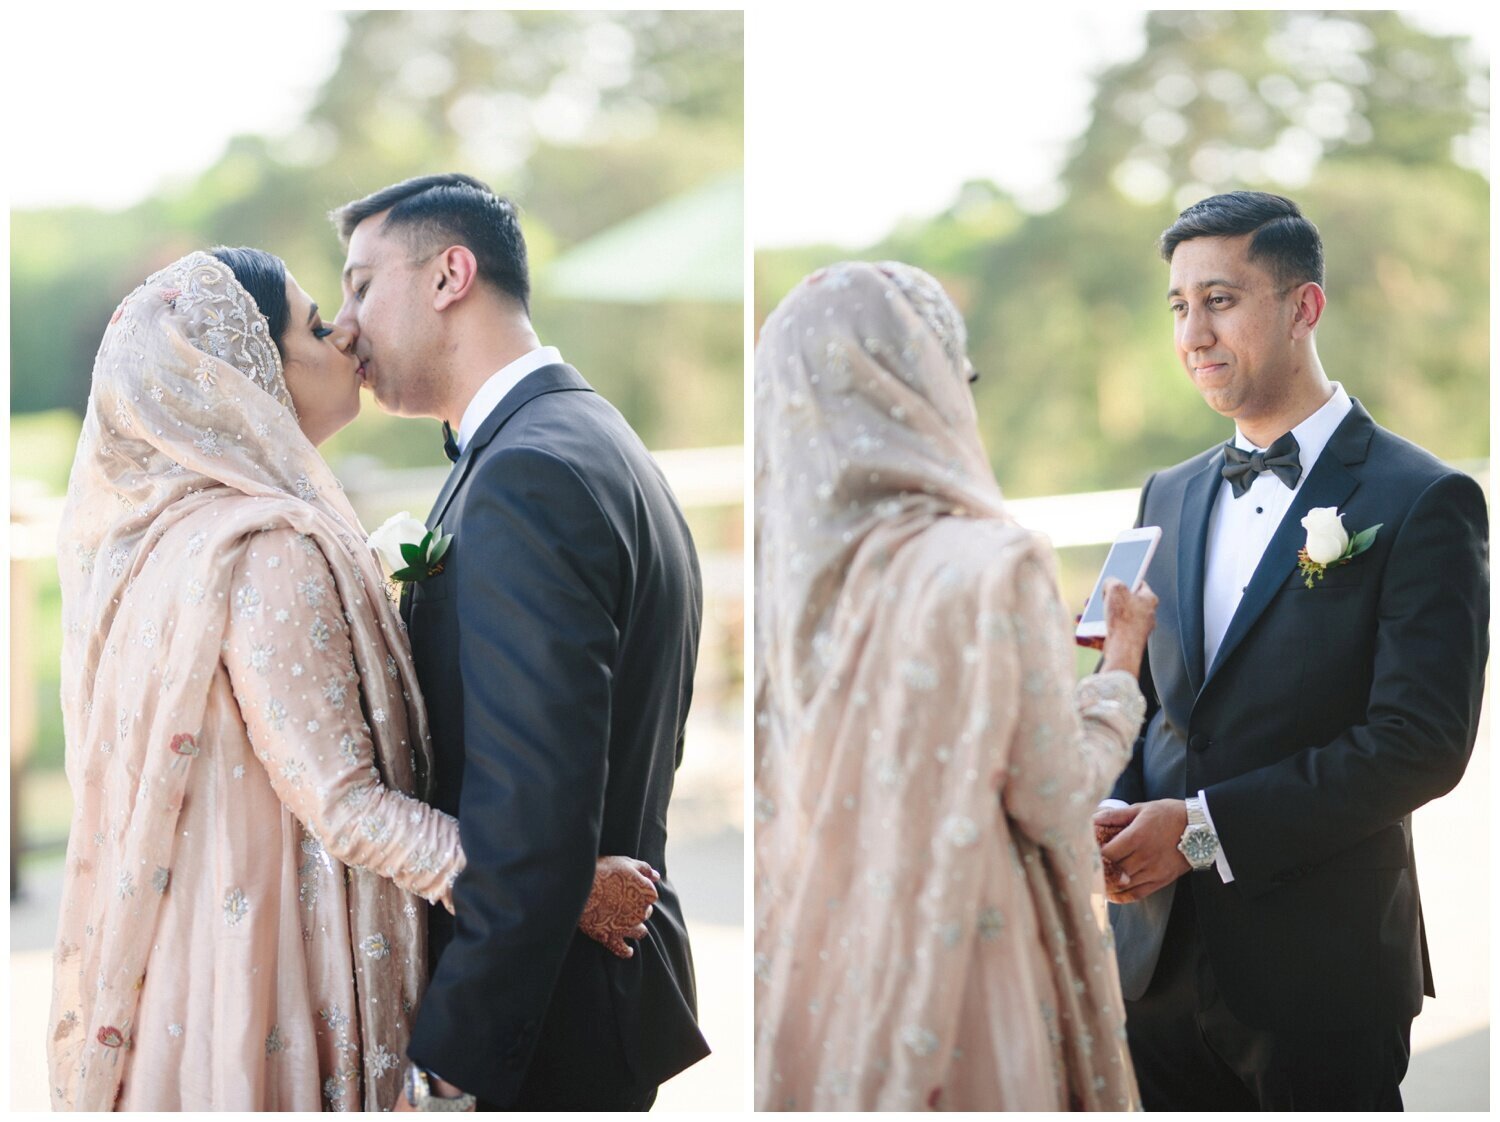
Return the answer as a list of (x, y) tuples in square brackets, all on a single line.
[(454, 209), (1281, 237)]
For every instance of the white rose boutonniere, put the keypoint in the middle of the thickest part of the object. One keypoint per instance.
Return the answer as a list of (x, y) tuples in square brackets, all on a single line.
[(410, 551), (1329, 544)]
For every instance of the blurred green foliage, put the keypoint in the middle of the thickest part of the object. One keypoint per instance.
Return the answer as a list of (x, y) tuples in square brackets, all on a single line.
[(1369, 123), (41, 447), (584, 118), (44, 646)]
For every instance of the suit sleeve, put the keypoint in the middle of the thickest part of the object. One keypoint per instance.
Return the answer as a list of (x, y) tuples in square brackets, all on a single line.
[(536, 576), (1420, 723), (1130, 787)]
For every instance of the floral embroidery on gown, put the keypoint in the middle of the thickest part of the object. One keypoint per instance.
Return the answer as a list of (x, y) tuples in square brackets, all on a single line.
[(286, 790)]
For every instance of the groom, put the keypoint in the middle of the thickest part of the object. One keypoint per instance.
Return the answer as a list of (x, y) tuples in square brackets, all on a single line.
[(1265, 904), (555, 652)]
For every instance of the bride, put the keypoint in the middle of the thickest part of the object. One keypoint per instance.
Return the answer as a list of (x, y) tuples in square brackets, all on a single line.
[(246, 743), (929, 900)]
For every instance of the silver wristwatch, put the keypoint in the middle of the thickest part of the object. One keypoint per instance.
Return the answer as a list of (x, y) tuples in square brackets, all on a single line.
[(418, 1091), (1198, 843)]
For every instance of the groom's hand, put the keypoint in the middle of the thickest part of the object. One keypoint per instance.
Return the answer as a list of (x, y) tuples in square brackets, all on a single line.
[(1143, 857)]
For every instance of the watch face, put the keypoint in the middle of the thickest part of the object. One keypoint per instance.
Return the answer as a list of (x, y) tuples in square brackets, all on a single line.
[(1199, 847)]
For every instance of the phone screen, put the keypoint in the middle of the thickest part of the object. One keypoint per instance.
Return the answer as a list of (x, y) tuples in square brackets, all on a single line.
[(1124, 564)]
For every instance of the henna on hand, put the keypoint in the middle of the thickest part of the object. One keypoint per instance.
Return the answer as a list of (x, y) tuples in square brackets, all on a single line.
[(1103, 832), (619, 903), (1093, 642)]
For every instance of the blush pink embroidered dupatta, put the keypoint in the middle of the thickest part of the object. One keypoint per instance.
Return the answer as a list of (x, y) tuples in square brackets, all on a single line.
[(927, 929), (190, 447)]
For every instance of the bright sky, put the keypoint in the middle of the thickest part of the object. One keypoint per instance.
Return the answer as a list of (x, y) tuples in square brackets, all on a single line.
[(858, 121), (106, 105), (856, 117), (855, 123)]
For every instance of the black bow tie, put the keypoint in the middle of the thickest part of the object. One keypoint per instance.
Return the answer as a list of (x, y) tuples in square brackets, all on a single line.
[(450, 446), (1241, 467)]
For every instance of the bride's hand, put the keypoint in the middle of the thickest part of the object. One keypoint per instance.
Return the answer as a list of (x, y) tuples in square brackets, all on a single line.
[(620, 903), (1129, 619)]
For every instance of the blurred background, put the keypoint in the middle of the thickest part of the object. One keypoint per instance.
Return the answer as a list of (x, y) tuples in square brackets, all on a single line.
[(1030, 162), (620, 136)]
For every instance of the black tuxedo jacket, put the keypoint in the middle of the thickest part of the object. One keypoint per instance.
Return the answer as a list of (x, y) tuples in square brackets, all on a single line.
[(555, 653), (1329, 715)]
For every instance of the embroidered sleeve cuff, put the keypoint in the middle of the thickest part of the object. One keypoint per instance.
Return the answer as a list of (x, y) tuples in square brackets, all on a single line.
[(1113, 697)]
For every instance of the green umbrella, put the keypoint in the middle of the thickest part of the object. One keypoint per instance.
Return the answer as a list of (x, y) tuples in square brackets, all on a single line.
[(691, 247)]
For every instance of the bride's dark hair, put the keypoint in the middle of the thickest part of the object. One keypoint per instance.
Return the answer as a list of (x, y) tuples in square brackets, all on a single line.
[(263, 276)]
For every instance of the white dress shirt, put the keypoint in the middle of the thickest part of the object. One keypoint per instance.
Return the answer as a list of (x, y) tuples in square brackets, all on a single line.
[(1239, 529), (497, 386)]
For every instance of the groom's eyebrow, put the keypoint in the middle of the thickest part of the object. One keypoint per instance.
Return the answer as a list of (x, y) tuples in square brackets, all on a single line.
[(349, 268), (1215, 282)]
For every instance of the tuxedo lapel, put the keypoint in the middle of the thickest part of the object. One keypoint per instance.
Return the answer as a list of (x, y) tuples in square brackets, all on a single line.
[(456, 475), (1192, 545), (547, 379), (1330, 483)]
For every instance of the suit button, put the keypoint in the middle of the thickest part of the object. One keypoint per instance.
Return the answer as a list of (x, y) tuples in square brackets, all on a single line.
[(1198, 742)]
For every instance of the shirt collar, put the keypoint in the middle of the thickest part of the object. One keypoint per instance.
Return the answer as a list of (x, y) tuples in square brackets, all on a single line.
[(497, 386), (1314, 433)]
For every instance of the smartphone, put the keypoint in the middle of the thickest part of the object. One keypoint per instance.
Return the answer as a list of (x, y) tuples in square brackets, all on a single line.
[(1128, 560)]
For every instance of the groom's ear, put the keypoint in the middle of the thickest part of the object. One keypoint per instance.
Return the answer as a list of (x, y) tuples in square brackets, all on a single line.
[(457, 273), (1308, 308)]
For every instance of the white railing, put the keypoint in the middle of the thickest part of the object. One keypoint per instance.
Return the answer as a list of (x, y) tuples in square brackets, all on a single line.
[(699, 477), (1090, 518)]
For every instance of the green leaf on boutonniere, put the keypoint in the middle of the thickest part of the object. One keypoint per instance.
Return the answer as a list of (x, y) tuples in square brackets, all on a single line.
[(1362, 541), (424, 558)]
